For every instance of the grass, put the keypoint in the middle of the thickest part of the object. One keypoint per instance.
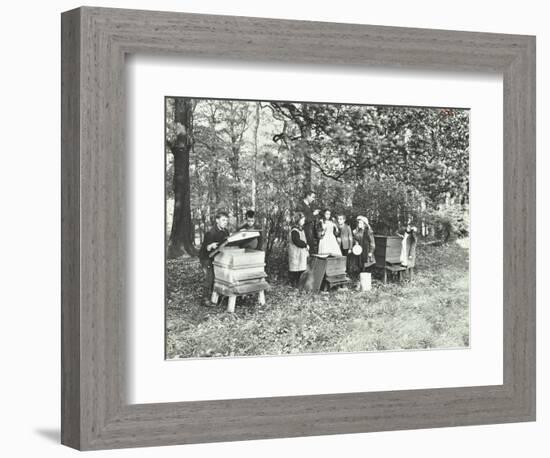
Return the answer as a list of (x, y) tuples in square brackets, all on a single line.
[(432, 311)]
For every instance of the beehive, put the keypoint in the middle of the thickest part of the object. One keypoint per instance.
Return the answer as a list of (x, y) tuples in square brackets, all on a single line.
[(335, 273), (336, 265), (239, 271), (387, 249), (328, 269)]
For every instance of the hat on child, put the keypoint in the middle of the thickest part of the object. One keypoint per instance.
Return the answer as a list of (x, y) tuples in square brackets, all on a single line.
[(364, 219)]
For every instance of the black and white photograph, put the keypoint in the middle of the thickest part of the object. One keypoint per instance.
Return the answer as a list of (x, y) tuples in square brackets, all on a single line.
[(306, 227), (273, 229)]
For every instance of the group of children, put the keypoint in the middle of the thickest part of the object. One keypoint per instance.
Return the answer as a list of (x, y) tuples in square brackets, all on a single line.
[(330, 237), (310, 233)]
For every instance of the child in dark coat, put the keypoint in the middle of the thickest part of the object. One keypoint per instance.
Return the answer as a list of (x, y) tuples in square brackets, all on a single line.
[(364, 237), (345, 239), (212, 240)]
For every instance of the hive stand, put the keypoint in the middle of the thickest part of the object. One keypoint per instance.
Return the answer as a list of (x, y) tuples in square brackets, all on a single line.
[(232, 299), (393, 268), (239, 272), (400, 269)]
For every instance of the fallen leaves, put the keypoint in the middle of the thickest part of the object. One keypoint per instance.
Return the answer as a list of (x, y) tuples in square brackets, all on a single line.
[(430, 312)]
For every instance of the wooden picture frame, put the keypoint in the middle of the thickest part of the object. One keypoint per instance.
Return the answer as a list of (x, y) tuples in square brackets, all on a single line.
[(95, 412)]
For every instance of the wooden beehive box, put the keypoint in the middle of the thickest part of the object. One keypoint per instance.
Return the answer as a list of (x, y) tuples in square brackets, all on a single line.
[(336, 265), (240, 270), (387, 249), (331, 269), (238, 258), (335, 273)]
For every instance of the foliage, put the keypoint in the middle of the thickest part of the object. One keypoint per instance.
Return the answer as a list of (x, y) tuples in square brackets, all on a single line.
[(430, 312), (386, 162), (424, 147), (388, 203), (450, 222)]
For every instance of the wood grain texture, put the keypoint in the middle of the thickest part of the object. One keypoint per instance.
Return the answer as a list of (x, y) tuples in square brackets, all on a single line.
[(70, 229), (95, 410)]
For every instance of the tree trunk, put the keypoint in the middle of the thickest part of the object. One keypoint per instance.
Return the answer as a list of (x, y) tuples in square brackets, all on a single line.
[(307, 173), (237, 120), (214, 195), (182, 234), (305, 130), (235, 148), (254, 168)]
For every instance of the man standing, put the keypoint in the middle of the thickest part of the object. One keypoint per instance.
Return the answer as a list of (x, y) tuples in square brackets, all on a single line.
[(310, 214), (212, 240), (250, 225)]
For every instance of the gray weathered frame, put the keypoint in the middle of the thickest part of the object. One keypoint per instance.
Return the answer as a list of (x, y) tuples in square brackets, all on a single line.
[(95, 414)]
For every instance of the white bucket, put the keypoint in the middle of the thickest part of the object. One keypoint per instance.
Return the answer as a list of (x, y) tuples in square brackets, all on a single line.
[(365, 281)]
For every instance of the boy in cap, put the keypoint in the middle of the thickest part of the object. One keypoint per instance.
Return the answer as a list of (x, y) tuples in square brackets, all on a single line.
[(250, 225), (212, 240)]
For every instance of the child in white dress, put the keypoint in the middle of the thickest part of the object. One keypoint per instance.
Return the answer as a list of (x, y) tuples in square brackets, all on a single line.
[(328, 243)]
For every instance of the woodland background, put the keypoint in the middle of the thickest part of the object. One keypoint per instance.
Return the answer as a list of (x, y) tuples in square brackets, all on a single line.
[(389, 163)]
